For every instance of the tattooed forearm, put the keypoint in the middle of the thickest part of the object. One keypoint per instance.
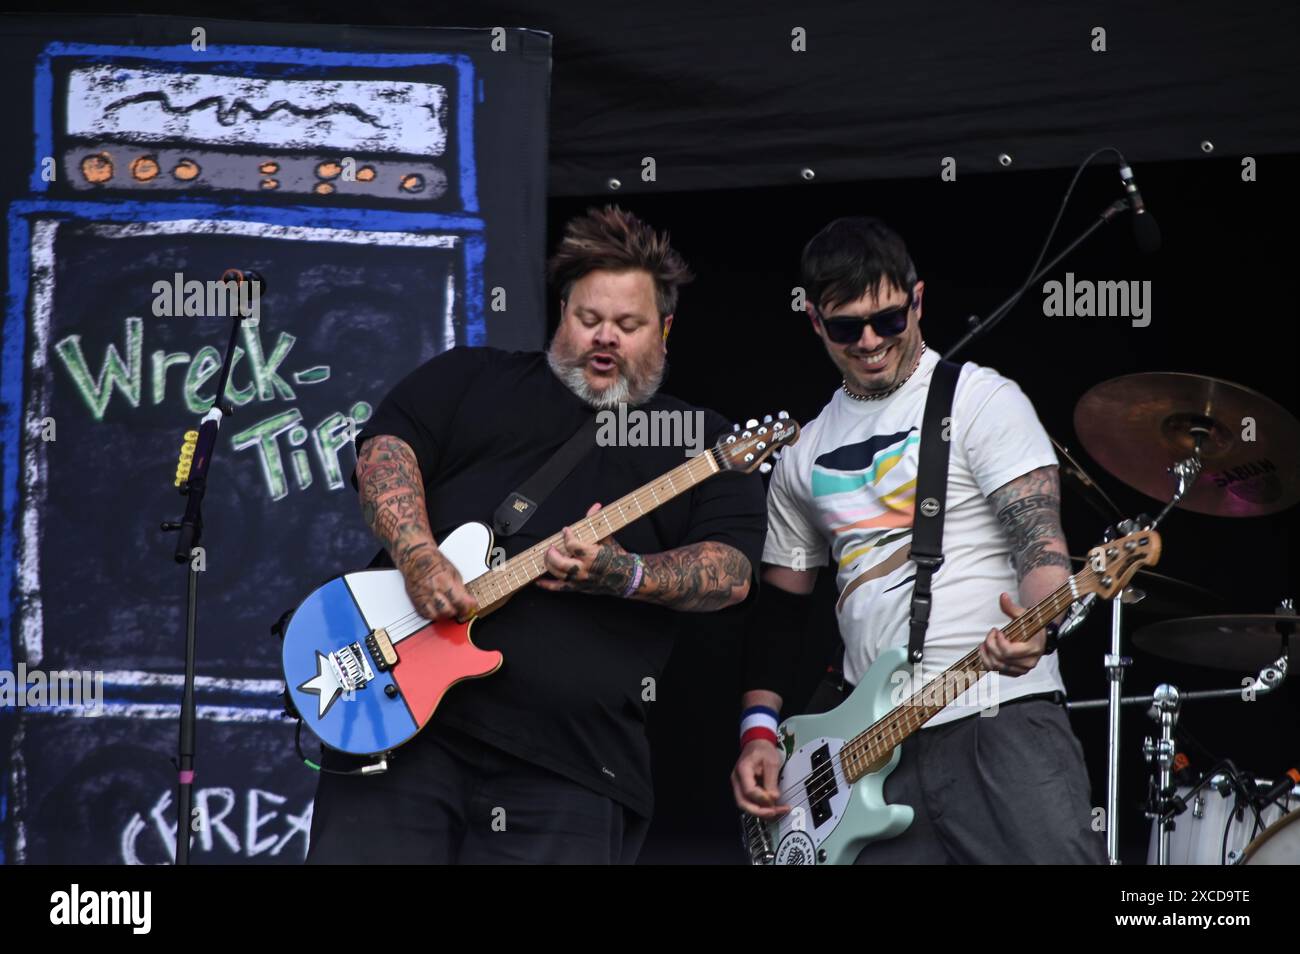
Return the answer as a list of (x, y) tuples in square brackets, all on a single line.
[(1029, 508), (392, 499), (697, 578), (612, 570)]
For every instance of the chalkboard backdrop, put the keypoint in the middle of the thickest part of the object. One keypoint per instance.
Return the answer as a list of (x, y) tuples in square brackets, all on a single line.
[(389, 186)]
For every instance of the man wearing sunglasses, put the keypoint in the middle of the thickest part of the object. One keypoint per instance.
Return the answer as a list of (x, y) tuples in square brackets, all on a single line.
[(1010, 787)]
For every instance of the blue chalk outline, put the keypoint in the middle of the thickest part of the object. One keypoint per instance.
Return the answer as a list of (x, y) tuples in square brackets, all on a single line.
[(43, 87), (12, 364)]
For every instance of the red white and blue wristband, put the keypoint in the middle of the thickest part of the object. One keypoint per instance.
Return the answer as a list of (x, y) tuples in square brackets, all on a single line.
[(758, 722)]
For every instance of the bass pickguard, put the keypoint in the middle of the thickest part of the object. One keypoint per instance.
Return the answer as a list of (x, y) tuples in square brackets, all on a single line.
[(831, 820)]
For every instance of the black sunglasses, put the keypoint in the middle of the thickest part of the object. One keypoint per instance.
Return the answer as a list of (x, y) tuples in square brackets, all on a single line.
[(887, 323)]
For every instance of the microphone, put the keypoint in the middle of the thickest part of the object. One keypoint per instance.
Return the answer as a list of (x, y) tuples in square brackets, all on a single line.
[(1145, 229), (256, 286), (239, 275), (1289, 781)]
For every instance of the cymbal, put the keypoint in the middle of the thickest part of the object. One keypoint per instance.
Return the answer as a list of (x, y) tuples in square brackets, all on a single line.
[(1239, 643), (1137, 425), (1073, 475), (1165, 595)]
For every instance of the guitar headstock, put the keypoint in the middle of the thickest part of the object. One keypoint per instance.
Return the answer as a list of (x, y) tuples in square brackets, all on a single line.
[(1115, 562), (748, 448)]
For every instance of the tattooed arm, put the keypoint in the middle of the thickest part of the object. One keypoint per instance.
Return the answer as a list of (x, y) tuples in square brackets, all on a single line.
[(1029, 511), (699, 577), (393, 505)]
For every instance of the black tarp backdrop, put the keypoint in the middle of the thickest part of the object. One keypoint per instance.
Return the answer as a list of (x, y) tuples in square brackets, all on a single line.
[(717, 95), (1223, 306), (718, 98), (366, 278)]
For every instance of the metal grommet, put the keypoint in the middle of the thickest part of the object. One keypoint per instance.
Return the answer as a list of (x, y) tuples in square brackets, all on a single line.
[(1207, 146), (1004, 159), (808, 174), (929, 507), (614, 185)]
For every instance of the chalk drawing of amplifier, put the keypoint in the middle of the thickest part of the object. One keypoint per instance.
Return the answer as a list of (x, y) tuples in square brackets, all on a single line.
[(347, 178)]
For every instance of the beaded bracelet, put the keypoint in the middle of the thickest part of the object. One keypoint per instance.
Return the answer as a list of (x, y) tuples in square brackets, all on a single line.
[(636, 577)]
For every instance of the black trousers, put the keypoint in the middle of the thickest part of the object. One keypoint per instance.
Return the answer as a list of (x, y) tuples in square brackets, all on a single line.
[(1004, 787), (1009, 788), (448, 798)]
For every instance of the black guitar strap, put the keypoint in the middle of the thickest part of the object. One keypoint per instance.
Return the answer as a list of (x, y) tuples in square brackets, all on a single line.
[(931, 498), (519, 506)]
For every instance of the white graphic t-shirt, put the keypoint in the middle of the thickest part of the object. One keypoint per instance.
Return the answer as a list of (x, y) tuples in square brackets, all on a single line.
[(848, 485)]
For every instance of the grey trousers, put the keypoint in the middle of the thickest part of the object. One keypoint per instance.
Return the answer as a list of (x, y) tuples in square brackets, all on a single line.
[(1010, 788)]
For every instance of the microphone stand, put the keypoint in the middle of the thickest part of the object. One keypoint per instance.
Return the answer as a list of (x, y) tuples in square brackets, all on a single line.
[(1115, 662), (190, 529), (981, 326)]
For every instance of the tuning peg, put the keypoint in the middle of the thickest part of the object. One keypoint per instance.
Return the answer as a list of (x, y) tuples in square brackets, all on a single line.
[(782, 415), (765, 468), (751, 423), (767, 418), (735, 427), (746, 434)]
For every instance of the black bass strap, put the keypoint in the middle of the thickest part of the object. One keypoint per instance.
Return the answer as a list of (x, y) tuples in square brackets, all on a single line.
[(931, 498), (520, 505)]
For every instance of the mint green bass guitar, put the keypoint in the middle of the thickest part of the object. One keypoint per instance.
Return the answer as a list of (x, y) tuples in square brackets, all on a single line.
[(834, 772)]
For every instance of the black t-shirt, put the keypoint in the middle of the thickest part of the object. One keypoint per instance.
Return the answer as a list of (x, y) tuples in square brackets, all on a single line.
[(569, 695)]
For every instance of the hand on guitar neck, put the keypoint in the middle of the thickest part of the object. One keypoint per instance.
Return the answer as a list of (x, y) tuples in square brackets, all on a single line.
[(1001, 655)]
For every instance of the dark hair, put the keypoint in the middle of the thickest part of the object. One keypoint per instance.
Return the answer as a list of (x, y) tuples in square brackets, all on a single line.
[(613, 239), (849, 257)]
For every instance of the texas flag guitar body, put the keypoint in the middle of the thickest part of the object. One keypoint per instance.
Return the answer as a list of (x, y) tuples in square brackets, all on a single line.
[(366, 671)]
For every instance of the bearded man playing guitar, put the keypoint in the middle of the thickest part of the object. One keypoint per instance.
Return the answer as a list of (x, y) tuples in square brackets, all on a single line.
[(1009, 787), (547, 759)]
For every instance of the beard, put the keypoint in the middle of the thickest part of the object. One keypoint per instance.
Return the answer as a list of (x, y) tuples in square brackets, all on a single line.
[(634, 385)]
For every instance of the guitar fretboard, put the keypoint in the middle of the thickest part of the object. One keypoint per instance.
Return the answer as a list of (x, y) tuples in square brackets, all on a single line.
[(865, 751), (523, 568)]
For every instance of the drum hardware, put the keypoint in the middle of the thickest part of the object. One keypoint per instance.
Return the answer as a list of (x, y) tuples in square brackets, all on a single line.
[(1145, 428), (1224, 642), (1073, 475), (1141, 427), (1160, 755), (1159, 595), (1217, 828), (1165, 705), (1278, 844)]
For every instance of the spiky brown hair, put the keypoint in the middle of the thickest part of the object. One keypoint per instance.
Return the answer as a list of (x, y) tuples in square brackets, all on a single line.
[(614, 239)]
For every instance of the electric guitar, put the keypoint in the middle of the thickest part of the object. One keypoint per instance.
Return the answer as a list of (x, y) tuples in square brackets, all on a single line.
[(365, 671), (835, 763)]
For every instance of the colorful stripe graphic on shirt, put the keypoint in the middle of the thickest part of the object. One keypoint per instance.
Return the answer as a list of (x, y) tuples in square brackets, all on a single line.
[(865, 498)]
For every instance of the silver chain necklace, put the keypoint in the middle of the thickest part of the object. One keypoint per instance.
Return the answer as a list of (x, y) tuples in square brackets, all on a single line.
[(885, 394)]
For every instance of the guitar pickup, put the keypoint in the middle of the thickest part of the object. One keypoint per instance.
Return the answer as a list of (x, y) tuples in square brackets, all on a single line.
[(381, 650), (820, 785)]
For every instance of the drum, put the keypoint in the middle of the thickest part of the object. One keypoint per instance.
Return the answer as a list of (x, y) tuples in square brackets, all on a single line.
[(1278, 844), (1198, 835)]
